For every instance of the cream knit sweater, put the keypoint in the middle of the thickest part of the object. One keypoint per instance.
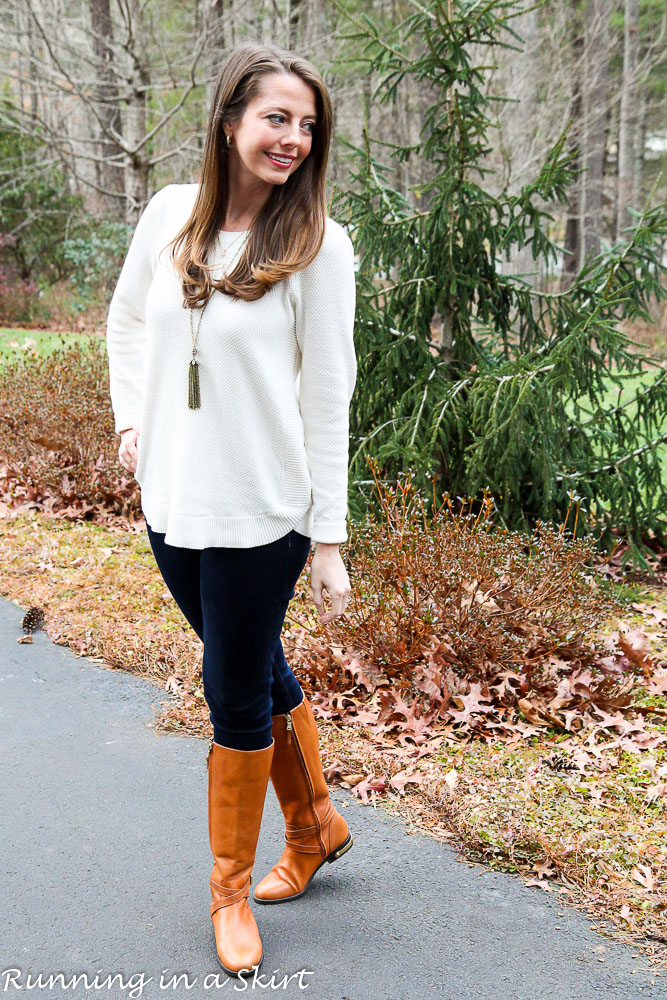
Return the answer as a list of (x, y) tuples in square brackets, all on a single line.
[(268, 449)]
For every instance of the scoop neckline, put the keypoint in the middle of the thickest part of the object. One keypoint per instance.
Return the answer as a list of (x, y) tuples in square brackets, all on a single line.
[(233, 232)]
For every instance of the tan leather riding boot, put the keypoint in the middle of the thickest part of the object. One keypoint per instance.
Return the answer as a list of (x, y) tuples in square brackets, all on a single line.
[(315, 831), (237, 783)]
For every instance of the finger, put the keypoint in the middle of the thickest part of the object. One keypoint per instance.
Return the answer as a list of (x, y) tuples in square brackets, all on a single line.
[(126, 460), (317, 598), (337, 605), (334, 610), (325, 612)]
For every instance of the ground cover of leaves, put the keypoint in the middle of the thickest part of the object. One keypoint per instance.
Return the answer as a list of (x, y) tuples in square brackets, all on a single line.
[(581, 815)]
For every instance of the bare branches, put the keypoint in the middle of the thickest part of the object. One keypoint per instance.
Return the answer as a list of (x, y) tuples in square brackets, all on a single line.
[(104, 86)]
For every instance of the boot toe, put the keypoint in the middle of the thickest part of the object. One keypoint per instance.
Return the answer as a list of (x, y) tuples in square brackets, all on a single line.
[(280, 883), (238, 943), (276, 886), (267, 888)]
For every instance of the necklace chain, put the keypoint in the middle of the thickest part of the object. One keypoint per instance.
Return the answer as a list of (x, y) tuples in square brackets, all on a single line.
[(194, 396)]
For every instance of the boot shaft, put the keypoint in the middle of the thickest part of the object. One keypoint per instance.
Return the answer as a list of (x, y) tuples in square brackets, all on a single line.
[(237, 784), (296, 770)]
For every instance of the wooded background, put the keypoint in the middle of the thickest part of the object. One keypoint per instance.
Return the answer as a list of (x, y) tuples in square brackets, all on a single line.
[(120, 93)]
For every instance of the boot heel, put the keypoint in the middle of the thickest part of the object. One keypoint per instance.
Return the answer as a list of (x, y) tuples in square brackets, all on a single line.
[(338, 853)]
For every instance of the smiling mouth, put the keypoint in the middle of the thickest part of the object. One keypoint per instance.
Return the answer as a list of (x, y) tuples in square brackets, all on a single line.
[(280, 161)]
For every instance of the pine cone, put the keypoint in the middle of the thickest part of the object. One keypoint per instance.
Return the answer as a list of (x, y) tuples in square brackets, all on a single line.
[(32, 619), (559, 762)]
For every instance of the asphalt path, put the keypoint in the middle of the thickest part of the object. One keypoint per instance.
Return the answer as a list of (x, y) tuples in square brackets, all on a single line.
[(103, 826)]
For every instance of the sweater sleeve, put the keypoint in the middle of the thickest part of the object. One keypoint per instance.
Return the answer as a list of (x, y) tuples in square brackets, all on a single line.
[(126, 330), (324, 310)]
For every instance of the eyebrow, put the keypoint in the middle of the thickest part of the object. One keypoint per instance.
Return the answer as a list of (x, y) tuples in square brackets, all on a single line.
[(286, 112)]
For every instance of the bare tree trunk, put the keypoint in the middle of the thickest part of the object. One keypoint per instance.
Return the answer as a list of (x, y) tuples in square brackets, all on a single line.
[(627, 118), (401, 134), (25, 26), (213, 13), (136, 177), (109, 174), (273, 20), (640, 145), (293, 24), (520, 126), (572, 241), (595, 120)]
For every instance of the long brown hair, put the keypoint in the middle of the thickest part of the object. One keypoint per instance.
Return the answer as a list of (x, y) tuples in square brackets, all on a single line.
[(288, 231)]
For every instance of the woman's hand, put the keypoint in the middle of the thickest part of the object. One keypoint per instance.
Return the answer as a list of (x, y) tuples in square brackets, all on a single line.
[(127, 453), (328, 571)]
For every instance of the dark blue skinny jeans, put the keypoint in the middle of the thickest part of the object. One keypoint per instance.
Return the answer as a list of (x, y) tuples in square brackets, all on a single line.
[(236, 600)]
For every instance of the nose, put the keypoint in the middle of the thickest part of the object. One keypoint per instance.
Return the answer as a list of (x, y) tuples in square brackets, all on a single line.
[(292, 138)]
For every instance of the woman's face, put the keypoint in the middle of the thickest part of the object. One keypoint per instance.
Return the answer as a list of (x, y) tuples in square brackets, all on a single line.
[(279, 121)]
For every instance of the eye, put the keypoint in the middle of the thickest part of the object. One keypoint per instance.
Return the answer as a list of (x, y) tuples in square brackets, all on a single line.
[(281, 119)]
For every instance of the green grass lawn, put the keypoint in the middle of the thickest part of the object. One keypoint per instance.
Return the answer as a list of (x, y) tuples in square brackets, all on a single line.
[(632, 384), (16, 343), (615, 396)]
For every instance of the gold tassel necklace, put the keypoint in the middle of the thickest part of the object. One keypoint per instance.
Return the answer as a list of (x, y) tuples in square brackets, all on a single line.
[(194, 395)]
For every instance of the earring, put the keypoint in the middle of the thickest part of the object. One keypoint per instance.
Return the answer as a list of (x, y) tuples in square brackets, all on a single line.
[(229, 140)]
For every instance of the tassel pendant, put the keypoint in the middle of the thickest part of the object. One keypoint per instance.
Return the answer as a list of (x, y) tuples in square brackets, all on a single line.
[(194, 399)]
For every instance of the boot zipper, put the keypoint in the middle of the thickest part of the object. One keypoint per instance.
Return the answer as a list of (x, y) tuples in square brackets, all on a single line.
[(288, 722)]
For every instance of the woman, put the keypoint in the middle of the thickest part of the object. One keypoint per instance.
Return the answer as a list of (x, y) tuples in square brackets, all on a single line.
[(231, 369)]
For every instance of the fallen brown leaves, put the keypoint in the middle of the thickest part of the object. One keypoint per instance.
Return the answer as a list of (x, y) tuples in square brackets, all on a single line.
[(455, 629), (58, 447)]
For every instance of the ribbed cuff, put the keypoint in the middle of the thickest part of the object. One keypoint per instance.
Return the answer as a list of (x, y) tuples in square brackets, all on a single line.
[(331, 533)]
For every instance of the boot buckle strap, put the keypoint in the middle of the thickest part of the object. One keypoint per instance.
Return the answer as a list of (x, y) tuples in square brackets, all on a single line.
[(299, 848), (229, 896), (297, 845), (326, 819), (297, 831)]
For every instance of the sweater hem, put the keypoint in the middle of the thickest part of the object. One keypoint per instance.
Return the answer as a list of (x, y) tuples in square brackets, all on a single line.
[(200, 531)]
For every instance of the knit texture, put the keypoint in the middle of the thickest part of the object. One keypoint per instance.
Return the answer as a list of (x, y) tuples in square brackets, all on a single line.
[(268, 449)]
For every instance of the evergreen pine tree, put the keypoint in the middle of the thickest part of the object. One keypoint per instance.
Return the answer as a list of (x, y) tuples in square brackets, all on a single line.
[(511, 397)]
